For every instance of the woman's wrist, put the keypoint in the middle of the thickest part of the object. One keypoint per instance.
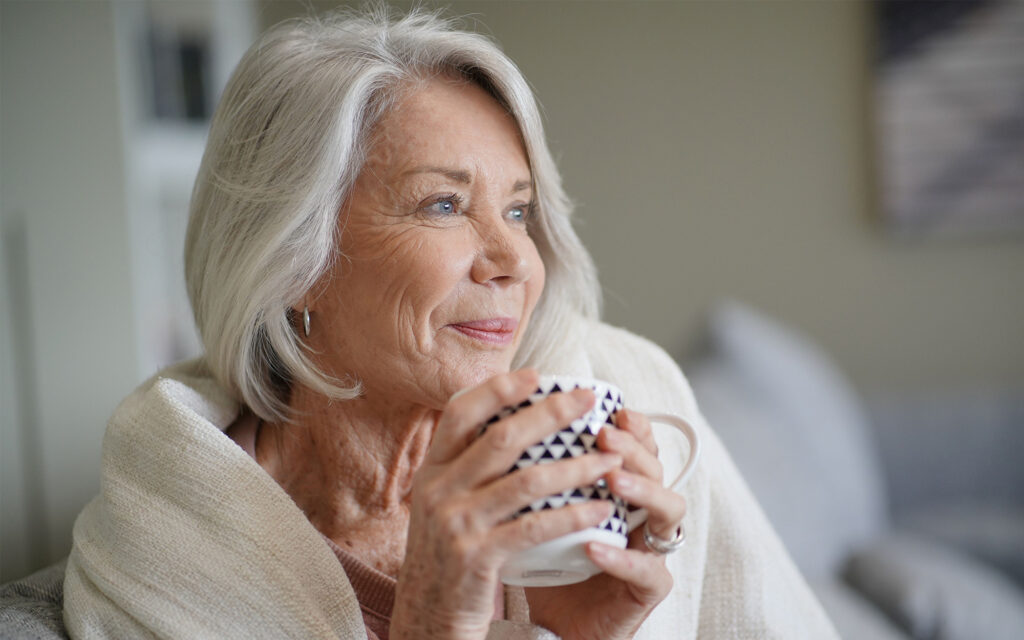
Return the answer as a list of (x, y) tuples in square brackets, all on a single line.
[(423, 626), (418, 615)]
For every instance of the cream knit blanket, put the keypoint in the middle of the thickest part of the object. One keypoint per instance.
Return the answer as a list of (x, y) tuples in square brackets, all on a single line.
[(190, 538)]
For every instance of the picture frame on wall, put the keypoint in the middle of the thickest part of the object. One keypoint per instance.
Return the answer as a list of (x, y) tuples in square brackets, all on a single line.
[(949, 116)]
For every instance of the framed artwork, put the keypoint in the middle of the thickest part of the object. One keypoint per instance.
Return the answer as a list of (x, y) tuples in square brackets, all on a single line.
[(949, 81)]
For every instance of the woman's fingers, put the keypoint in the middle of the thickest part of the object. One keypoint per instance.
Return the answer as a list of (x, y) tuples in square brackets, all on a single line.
[(640, 481), (644, 574), (534, 528), (491, 455), (636, 456), (639, 426), (467, 411), (506, 496), (480, 520), (665, 508)]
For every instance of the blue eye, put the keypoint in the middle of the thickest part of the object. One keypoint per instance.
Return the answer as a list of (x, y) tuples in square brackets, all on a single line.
[(442, 206), (520, 213), (445, 205)]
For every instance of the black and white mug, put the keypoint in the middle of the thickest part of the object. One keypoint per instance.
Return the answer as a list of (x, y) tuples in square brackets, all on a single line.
[(563, 560)]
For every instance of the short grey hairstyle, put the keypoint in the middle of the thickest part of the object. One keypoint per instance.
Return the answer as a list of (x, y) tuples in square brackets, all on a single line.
[(286, 144)]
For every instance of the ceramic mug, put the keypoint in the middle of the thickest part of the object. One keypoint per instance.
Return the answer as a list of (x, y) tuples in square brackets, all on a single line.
[(563, 560)]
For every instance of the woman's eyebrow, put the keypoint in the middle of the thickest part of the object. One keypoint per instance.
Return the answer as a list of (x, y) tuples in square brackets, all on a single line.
[(465, 177), (522, 185), (456, 175)]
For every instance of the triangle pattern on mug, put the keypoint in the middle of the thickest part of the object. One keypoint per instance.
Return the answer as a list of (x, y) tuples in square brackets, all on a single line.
[(575, 439)]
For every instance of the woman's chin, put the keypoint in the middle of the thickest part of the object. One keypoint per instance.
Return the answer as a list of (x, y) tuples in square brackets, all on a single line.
[(473, 375)]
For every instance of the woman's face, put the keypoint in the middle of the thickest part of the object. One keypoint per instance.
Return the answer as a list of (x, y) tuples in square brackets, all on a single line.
[(439, 275)]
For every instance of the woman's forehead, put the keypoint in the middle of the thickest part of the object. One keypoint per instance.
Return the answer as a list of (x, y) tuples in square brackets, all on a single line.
[(446, 123)]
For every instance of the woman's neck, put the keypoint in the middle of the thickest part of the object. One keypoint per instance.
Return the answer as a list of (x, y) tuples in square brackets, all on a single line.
[(349, 466)]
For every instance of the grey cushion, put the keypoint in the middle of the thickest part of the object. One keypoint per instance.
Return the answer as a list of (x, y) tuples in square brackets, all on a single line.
[(992, 532), (935, 592), (33, 606), (959, 444), (854, 617), (797, 432)]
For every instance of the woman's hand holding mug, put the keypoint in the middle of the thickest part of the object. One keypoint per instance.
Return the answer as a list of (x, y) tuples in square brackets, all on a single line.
[(461, 528), (609, 579), (538, 495)]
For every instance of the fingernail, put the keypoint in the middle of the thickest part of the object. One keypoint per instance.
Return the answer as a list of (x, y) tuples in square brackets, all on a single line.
[(584, 396), (603, 509), (611, 460), (599, 550), (624, 483)]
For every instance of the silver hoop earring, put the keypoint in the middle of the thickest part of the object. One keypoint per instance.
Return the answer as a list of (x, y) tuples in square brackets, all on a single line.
[(305, 321)]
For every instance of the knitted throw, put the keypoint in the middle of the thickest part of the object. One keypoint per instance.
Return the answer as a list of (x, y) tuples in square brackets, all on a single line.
[(190, 538)]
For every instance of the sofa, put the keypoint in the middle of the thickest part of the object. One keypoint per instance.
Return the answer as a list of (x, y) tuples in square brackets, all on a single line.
[(32, 607), (904, 511)]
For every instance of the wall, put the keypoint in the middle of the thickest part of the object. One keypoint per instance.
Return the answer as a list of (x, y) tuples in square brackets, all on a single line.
[(724, 149), (66, 253)]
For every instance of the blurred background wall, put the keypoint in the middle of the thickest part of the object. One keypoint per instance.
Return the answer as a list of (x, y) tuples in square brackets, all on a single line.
[(714, 149), (67, 317)]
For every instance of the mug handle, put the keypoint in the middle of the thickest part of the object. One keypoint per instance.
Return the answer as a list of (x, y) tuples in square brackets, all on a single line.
[(636, 518)]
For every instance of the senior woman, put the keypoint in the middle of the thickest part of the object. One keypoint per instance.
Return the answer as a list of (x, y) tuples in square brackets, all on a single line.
[(377, 225)]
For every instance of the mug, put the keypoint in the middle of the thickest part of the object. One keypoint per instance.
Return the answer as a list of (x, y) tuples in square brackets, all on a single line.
[(563, 560)]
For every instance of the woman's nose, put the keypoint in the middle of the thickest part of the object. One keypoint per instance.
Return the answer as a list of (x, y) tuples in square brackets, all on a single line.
[(501, 259)]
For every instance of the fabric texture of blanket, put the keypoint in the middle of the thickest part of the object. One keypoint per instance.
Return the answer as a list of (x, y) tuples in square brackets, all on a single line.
[(189, 537)]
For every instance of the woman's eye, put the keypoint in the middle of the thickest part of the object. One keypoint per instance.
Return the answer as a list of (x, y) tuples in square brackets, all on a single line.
[(444, 206), (520, 213)]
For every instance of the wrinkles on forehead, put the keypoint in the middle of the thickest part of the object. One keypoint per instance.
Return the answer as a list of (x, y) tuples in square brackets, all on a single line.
[(417, 142), (400, 97)]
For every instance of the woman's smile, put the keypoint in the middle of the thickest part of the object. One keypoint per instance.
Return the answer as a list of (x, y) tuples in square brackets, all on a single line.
[(496, 331)]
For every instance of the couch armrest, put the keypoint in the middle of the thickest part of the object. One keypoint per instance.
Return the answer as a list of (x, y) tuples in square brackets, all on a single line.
[(990, 532), (33, 607), (853, 615), (934, 591)]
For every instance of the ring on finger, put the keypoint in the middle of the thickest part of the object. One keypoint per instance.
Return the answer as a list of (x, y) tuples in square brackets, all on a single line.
[(662, 546)]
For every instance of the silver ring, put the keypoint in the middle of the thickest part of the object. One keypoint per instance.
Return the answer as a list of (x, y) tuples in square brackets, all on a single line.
[(661, 546)]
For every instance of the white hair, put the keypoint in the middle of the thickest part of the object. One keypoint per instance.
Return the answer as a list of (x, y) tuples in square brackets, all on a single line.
[(286, 144)]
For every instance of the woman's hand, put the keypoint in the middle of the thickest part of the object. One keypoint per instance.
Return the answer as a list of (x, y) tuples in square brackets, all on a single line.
[(613, 604), (462, 498)]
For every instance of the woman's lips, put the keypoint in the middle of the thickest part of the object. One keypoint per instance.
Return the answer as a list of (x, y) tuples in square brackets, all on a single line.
[(492, 330)]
